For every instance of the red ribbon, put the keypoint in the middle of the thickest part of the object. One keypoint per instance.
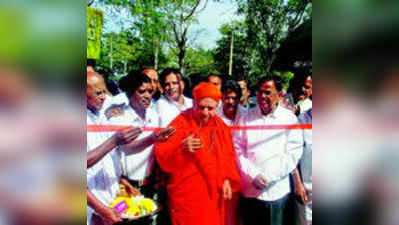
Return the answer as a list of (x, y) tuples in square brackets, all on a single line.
[(113, 128)]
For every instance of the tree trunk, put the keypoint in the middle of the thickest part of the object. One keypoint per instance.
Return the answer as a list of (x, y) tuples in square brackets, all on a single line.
[(182, 53), (181, 61), (111, 58), (231, 54), (156, 55)]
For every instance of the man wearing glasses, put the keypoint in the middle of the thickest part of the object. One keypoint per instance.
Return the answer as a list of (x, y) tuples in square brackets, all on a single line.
[(267, 157)]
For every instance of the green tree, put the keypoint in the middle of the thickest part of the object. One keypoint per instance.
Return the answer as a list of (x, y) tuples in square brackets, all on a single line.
[(241, 59), (268, 24), (199, 60), (151, 24), (181, 14)]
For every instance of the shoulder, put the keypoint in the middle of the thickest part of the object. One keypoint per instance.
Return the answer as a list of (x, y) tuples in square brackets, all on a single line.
[(306, 117), (188, 101), (181, 120), (220, 122), (161, 103), (251, 113), (121, 118), (287, 115)]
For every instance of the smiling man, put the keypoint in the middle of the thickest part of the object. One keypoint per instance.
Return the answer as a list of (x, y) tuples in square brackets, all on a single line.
[(137, 158), (172, 102), (267, 157)]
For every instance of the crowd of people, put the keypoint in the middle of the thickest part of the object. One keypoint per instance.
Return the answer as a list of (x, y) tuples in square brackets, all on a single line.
[(200, 170)]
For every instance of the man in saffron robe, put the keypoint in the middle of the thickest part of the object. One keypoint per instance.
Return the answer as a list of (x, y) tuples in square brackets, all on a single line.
[(200, 162)]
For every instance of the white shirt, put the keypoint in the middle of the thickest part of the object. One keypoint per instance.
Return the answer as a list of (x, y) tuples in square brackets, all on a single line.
[(304, 105), (271, 153), (137, 166), (240, 113), (169, 110), (306, 160), (103, 177), (120, 99)]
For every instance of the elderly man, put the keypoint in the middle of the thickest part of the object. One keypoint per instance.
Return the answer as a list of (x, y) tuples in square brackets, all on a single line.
[(172, 102), (200, 162), (267, 157), (104, 171)]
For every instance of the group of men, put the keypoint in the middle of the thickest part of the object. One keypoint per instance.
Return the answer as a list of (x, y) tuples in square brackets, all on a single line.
[(214, 175)]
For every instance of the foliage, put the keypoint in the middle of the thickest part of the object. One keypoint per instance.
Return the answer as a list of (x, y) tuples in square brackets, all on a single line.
[(268, 24), (241, 59), (94, 28), (128, 52)]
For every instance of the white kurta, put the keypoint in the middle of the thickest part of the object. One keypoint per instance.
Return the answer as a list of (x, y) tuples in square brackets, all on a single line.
[(137, 166), (102, 178), (271, 153), (169, 110)]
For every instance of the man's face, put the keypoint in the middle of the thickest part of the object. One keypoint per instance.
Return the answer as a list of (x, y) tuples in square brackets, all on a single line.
[(153, 75), (172, 87), (216, 81), (205, 109), (142, 96), (230, 102), (267, 97), (244, 89), (307, 87), (96, 94)]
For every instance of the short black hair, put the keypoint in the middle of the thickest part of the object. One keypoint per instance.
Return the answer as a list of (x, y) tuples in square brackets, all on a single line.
[(130, 83), (276, 80), (91, 62), (242, 78), (231, 85), (166, 72)]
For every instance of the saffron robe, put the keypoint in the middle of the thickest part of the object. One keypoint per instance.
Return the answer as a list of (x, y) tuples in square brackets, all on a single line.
[(195, 180)]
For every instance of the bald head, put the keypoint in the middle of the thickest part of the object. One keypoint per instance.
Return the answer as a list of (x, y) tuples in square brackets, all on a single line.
[(94, 78), (153, 75), (95, 91)]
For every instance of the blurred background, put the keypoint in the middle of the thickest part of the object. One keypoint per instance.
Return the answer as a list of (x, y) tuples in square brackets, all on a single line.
[(356, 112), (42, 108)]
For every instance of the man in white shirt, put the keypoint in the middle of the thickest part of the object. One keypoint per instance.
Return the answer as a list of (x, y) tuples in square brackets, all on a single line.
[(231, 111), (138, 162), (172, 102), (103, 162), (267, 157), (301, 90)]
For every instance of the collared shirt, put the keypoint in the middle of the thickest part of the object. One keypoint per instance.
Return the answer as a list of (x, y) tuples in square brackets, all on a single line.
[(137, 166), (304, 105), (103, 177), (271, 153), (168, 110), (240, 113), (306, 159)]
